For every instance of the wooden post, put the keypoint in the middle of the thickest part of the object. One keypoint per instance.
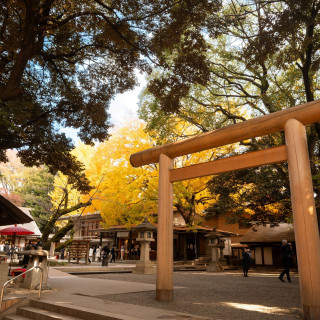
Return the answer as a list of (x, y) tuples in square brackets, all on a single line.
[(164, 288), (305, 218)]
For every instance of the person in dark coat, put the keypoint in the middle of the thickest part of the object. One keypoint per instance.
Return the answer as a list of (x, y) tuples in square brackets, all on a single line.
[(245, 262), (6, 249), (62, 253), (113, 254), (105, 255), (38, 244), (286, 255)]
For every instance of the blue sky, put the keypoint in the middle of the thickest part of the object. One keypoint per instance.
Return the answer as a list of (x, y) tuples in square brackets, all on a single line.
[(122, 108)]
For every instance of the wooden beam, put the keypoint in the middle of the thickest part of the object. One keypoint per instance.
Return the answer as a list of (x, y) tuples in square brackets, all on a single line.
[(243, 161), (306, 113)]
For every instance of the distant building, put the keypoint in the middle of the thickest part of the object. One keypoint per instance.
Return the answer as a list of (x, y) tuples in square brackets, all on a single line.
[(191, 244), (31, 226), (265, 243)]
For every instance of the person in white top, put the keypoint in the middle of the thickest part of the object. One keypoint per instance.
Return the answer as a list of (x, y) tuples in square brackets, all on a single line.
[(90, 254), (122, 252), (97, 256)]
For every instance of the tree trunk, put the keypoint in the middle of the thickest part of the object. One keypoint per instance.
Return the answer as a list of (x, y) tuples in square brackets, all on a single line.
[(59, 235)]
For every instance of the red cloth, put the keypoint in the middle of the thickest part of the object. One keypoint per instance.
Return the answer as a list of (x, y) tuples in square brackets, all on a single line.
[(18, 271)]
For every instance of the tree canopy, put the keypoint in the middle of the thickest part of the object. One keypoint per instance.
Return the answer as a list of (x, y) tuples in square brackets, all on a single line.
[(62, 62), (259, 62)]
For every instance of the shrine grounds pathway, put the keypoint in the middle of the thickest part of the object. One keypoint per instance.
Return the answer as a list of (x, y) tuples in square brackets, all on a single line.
[(220, 296)]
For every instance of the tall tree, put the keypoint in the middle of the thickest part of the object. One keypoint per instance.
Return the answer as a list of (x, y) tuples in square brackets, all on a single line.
[(62, 62), (67, 200), (259, 63), (35, 187), (128, 194)]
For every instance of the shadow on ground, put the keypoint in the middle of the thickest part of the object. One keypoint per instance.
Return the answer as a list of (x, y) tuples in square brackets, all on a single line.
[(222, 296)]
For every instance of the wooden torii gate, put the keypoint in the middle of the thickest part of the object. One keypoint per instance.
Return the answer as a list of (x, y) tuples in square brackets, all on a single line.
[(295, 152)]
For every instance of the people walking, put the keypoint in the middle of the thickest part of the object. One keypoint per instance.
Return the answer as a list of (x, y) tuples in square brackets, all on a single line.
[(245, 262), (113, 254), (62, 251), (6, 249), (94, 253), (90, 254), (105, 255), (286, 255), (97, 256)]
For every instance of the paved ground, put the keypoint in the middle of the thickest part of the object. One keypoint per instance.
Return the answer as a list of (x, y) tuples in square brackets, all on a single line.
[(197, 294), (218, 296)]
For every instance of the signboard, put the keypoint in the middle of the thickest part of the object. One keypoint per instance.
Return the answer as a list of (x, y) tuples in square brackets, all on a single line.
[(123, 234), (79, 249)]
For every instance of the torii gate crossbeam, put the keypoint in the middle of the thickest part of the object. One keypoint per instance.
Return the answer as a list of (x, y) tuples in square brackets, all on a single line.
[(292, 121)]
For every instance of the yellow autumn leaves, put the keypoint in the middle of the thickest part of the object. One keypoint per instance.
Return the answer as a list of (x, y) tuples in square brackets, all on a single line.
[(123, 194)]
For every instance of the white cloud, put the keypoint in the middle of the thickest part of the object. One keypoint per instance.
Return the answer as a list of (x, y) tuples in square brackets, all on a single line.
[(125, 106)]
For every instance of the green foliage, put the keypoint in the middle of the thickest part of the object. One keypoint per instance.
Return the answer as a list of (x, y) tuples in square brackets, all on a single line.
[(62, 62), (35, 188), (259, 63), (255, 194)]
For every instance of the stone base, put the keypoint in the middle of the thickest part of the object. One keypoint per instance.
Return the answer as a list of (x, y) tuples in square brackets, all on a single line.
[(3, 273), (145, 268), (32, 278), (164, 295), (45, 286), (214, 267)]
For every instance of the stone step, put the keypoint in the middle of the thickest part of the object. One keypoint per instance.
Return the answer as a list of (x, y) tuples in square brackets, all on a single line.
[(40, 314), (15, 317), (9, 302), (46, 310), (73, 311)]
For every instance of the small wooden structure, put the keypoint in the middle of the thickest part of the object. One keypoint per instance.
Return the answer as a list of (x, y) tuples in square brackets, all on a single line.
[(295, 152), (79, 249)]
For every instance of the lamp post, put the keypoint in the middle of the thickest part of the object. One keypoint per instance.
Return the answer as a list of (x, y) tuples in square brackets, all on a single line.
[(145, 237)]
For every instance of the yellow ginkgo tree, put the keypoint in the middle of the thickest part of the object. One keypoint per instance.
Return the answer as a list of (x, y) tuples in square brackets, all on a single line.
[(66, 199), (126, 194)]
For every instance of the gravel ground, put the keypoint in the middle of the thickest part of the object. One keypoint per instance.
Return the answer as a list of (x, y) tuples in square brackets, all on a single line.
[(226, 295)]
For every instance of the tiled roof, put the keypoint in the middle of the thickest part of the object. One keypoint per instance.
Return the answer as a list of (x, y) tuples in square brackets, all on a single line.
[(269, 233)]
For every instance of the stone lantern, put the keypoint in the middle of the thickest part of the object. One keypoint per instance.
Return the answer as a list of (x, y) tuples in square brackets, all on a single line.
[(145, 237), (3, 269), (217, 244), (37, 257)]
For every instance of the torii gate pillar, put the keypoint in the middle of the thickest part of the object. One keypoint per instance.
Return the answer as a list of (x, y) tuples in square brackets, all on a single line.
[(305, 218), (164, 289)]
